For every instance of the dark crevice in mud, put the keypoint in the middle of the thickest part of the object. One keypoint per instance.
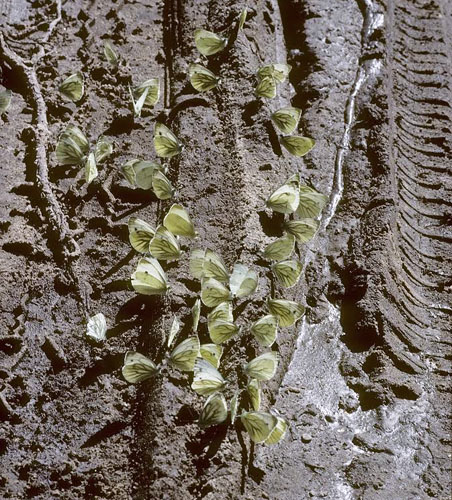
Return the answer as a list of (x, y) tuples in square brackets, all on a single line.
[(299, 55)]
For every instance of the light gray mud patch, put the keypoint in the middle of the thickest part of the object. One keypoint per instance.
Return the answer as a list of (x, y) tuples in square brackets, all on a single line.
[(363, 378)]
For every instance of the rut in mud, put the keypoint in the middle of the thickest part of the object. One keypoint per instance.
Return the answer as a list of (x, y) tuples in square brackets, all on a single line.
[(364, 377)]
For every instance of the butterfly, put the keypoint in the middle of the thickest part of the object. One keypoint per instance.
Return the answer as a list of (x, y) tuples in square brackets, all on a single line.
[(140, 234), (303, 230), (207, 264), (137, 367), (279, 72), (258, 424), (164, 245), (214, 411), (110, 54), (149, 278), (266, 87), (213, 292), (280, 249), (212, 353), (178, 222), (166, 143), (297, 145), (243, 281), (97, 327), (287, 311), (209, 43), (202, 78), (174, 330), (254, 393), (286, 119), (184, 355), (278, 432), (265, 330), (207, 379), (73, 87), (5, 100), (311, 202), (263, 367), (288, 272), (286, 198)]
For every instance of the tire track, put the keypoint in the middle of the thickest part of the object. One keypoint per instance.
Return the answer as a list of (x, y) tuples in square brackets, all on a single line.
[(420, 131)]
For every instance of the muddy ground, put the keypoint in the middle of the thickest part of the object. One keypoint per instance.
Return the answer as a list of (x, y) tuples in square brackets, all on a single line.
[(364, 378)]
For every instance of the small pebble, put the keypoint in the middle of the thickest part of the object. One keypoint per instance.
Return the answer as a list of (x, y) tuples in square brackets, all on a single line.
[(306, 438)]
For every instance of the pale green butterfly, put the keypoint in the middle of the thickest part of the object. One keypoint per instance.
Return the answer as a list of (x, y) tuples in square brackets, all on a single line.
[(97, 328), (153, 91), (196, 313), (209, 43), (286, 198), (258, 424), (263, 367), (277, 71), (280, 249), (254, 392), (287, 311), (303, 230), (137, 367), (178, 222), (72, 147), (162, 186), (286, 119), (278, 432), (140, 234), (166, 143), (138, 102), (110, 54), (212, 353), (202, 78), (149, 277), (234, 405), (221, 312), (221, 331), (5, 100), (214, 412), (311, 202), (213, 292), (207, 264), (103, 149), (175, 328), (288, 272), (140, 173), (243, 281), (73, 87), (242, 18), (266, 88), (206, 378), (297, 145), (184, 354), (164, 245), (265, 330), (91, 171)]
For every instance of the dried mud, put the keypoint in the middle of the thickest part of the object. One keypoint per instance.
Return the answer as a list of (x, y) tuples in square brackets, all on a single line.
[(364, 378)]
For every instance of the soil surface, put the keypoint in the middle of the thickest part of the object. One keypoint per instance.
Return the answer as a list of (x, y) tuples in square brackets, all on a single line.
[(364, 377)]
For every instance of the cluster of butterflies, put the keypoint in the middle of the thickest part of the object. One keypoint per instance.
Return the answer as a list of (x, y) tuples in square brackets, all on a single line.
[(307, 204), (285, 119), (219, 286)]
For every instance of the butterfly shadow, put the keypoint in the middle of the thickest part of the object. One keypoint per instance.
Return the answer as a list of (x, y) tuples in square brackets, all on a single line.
[(205, 446), (248, 467), (114, 269)]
